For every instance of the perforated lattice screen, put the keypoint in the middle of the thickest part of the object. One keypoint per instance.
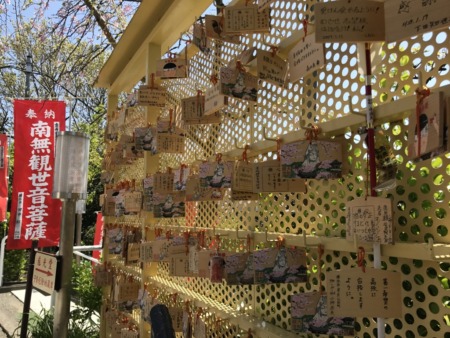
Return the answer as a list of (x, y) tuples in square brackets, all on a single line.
[(421, 196)]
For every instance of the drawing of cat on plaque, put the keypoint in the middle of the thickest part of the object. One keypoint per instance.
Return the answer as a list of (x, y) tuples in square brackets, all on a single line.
[(216, 174), (238, 83), (311, 159), (169, 205), (147, 203), (145, 139), (283, 265)]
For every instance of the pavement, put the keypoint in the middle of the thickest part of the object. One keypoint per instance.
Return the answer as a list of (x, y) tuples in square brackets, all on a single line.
[(11, 309)]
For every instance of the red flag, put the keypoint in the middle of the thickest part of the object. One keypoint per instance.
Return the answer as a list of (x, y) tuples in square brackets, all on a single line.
[(3, 176), (98, 234), (34, 213)]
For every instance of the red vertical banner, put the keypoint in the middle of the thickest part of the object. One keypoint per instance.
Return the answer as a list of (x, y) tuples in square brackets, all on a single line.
[(98, 235), (35, 215), (3, 176)]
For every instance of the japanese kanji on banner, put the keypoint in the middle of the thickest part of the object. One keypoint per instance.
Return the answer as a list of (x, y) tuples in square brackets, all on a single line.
[(35, 215), (3, 176)]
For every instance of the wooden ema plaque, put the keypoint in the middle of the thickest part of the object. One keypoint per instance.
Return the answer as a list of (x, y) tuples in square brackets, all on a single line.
[(374, 293), (349, 21), (370, 220), (305, 57), (414, 17), (151, 97), (241, 19)]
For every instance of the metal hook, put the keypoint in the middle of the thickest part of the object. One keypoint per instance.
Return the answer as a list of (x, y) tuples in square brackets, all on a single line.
[(352, 111), (279, 239), (239, 237), (220, 235), (430, 245), (199, 160), (268, 138), (236, 145), (313, 128)]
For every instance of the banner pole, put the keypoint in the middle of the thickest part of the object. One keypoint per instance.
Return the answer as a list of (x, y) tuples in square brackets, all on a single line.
[(28, 290), (372, 165), (62, 304)]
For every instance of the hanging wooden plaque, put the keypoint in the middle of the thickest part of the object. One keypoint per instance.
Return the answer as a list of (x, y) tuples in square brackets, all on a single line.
[(214, 100), (349, 21), (145, 139), (267, 178), (238, 84), (239, 269), (193, 111), (311, 159), (283, 265), (241, 19), (151, 97), (169, 205), (263, 4), (163, 182), (415, 17), (309, 315), (305, 57), (370, 219), (431, 126), (271, 67), (147, 199), (214, 29), (170, 139), (373, 293), (171, 68)]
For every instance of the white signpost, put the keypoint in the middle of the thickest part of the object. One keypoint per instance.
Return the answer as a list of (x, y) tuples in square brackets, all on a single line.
[(44, 276)]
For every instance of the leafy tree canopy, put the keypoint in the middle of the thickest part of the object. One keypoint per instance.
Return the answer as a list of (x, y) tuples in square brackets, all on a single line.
[(67, 43)]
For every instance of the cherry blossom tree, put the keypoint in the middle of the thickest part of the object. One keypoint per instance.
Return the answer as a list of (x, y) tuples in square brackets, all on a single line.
[(68, 42)]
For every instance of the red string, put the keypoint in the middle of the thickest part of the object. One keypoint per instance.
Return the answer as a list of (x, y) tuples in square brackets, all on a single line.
[(217, 240), (361, 254), (201, 238), (152, 80), (240, 67), (158, 232), (170, 118), (187, 234), (244, 154), (280, 242), (312, 133), (219, 157), (321, 251), (183, 166), (421, 94), (222, 18), (274, 50), (279, 149), (305, 28)]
